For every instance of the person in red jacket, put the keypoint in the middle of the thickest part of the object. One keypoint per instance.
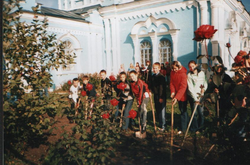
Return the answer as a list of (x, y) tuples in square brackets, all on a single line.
[(178, 89), (141, 92)]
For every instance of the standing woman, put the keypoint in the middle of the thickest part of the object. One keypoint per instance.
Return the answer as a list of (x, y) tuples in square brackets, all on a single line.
[(178, 88), (196, 79), (141, 92)]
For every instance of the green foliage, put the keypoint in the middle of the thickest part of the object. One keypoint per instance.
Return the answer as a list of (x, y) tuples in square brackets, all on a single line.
[(92, 141), (29, 53)]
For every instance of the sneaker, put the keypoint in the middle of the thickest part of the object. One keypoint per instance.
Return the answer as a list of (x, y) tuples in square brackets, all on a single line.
[(161, 129), (179, 132)]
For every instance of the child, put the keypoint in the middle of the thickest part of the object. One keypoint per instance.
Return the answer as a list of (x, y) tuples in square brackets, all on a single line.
[(125, 94), (196, 79), (106, 88), (90, 91), (178, 88), (141, 92), (73, 94), (158, 87)]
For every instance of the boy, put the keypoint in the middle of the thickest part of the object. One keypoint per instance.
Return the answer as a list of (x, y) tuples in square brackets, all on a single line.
[(90, 91), (125, 94), (158, 88), (73, 94), (141, 92), (106, 88)]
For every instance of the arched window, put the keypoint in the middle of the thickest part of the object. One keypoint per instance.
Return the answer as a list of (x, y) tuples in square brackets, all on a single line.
[(68, 50), (146, 52), (165, 51)]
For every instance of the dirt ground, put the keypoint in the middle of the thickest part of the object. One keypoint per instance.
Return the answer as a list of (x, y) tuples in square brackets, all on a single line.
[(154, 149)]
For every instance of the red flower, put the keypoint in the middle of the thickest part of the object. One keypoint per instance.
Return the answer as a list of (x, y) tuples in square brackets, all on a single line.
[(228, 45), (112, 78), (89, 87), (242, 53), (114, 102), (69, 82), (83, 93), (121, 86), (132, 114), (105, 116), (239, 60), (204, 32)]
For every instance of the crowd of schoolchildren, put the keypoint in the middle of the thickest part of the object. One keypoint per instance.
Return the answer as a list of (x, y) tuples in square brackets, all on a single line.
[(139, 83)]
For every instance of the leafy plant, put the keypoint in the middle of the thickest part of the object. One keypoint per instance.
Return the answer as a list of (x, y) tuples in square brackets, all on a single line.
[(29, 53), (91, 141)]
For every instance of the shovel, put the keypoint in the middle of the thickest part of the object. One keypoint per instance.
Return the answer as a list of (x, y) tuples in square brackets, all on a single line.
[(196, 105), (153, 112), (172, 132), (123, 106), (138, 134)]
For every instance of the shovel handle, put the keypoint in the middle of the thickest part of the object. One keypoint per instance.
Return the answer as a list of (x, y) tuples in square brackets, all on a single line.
[(123, 106), (172, 133), (153, 112)]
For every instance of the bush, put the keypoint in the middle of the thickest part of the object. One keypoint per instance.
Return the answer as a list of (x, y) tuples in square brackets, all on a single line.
[(90, 142)]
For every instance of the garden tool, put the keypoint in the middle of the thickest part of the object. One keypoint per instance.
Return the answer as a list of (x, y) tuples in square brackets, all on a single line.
[(77, 106), (172, 132), (195, 108), (196, 105), (153, 112), (86, 109), (123, 107), (138, 134)]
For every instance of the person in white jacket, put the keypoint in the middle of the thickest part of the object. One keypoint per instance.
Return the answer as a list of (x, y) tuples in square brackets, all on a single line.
[(197, 85)]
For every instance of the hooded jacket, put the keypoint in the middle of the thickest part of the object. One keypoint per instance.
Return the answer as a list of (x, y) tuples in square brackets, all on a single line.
[(139, 88), (178, 84)]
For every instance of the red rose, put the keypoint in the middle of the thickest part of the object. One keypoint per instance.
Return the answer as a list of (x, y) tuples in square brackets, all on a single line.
[(114, 102), (112, 78), (69, 82), (228, 45), (89, 87), (83, 93), (132, 114), (239, 60), (121, 86), (204, 32), (105, 116), (242, 53)]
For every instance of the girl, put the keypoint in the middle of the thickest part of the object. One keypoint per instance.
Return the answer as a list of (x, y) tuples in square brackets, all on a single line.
[(141, 92), (197, 83), (178, 87)]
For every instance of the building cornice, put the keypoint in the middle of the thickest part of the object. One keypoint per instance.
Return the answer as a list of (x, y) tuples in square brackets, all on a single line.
[(125, 11), (240, 9)]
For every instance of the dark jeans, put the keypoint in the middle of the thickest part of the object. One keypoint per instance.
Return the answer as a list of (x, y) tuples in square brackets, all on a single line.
[(198, 120), (106, 101), (184, 115), (128, 107), (160, 111)]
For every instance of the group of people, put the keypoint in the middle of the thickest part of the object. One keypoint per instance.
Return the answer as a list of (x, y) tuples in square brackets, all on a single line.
[(184, 87), (145, 72)]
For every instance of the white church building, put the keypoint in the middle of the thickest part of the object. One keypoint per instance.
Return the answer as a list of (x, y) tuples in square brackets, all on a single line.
[(107, 33)]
